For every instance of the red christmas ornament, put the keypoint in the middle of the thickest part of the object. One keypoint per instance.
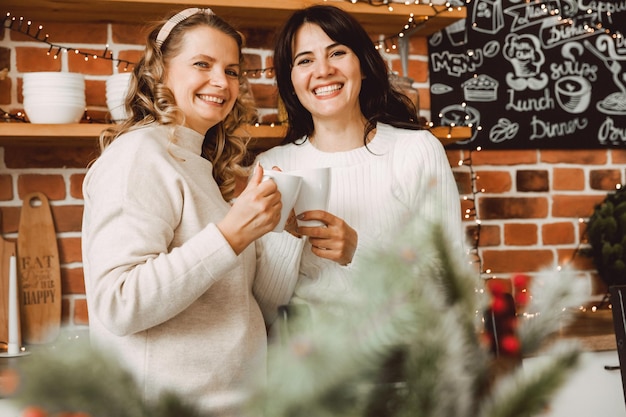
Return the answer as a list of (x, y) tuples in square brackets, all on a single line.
[(520, 281), (510, 345)]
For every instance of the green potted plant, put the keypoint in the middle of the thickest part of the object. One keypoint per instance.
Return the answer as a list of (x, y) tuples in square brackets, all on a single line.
[(606, 232)]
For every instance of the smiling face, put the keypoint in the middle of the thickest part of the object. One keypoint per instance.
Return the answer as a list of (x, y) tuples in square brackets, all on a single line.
[(204, 77), (326, 75)]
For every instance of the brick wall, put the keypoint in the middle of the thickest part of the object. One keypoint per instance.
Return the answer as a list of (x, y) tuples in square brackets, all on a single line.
[(530, 205)]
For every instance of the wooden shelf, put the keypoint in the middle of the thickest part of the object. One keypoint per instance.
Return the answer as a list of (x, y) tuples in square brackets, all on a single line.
[(242, 13), (84, 134)]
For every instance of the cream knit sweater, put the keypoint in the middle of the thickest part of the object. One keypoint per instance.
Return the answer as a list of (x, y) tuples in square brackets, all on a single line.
[(166, 293), (403, 174)]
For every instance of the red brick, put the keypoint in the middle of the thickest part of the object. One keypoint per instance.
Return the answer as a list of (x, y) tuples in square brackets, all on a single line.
[(558, 233), (6, 187), (605, 179), (504, 157), (76, 186), (66, 33), (520, 234), (417, 70), (86, 62), (20, 35), (66, 307), (70, 250), (20, 91), (512, 207), (418, 45), (269, 68), (454, 156), (574, 156), (96, 116), (54, 185), (568, 179), (573, 259), (252, 64), (514, 261), (72, 281), (493, 181), (424, 98), (582, 231), (5, 89), (265, 95), (463, 182), (33, 59), (81, 316), (270, 118), (618, 156), (488, 235), (128, 59), (67, 218), (532, 180), (574, 206), (95, 93), (468, 209), (10, 219)]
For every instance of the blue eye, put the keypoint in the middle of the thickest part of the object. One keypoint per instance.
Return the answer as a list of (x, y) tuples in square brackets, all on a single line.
[(232, 73)]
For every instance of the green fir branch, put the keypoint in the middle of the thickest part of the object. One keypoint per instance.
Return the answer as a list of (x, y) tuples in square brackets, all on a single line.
[(527, 392), (554, 296), (72, 377)]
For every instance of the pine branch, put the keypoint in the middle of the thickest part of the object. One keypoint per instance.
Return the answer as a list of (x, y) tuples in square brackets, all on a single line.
[(74, 378), (554, 296), (527, 392)]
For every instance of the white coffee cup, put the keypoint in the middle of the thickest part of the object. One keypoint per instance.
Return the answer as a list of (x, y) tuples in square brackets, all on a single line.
[(314, 193), (289, 187)]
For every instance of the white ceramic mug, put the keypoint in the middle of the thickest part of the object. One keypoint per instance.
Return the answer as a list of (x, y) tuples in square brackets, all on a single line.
[(314, 193), (289, 187)]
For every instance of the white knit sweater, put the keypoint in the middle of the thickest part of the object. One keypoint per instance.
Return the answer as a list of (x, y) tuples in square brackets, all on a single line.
[(165, 291), (401, 175)]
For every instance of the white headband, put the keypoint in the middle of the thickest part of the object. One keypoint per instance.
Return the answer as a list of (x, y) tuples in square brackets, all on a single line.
[(176, 19)]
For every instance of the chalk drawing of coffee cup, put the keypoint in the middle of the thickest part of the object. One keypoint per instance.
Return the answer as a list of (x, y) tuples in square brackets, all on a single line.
[(457, 33), (461, 115), (573, 93)]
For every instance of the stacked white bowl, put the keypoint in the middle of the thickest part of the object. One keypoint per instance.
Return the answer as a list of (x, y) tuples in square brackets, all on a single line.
[(116, 88), (54, 97)]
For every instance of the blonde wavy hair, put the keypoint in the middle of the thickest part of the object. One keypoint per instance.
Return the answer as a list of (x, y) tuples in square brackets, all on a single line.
[(149, 101)]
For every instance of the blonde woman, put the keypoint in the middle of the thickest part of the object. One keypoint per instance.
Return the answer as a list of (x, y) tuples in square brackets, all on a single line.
[(169, 263)]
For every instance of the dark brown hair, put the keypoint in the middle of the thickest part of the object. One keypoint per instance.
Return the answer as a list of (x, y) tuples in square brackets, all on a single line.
[(379, 101)]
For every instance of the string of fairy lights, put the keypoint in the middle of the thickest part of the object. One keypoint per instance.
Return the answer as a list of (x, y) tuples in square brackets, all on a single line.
[(387, 44), (471, 210), (36, 32)]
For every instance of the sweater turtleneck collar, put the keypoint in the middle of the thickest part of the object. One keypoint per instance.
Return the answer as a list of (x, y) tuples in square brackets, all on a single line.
[(189, 139), (378, 145)]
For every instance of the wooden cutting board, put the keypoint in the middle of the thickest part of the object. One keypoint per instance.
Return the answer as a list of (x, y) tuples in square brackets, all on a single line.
[(39, 272), (7, 249)]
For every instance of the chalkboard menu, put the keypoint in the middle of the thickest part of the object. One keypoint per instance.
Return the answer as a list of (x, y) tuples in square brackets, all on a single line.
[(533, 74)]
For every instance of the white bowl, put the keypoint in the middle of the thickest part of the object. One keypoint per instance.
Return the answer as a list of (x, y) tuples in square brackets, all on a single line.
[(53, 76), (51, 96), (118, 113), (58, 113), (51, 82), (116, 89), (29, 101)]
